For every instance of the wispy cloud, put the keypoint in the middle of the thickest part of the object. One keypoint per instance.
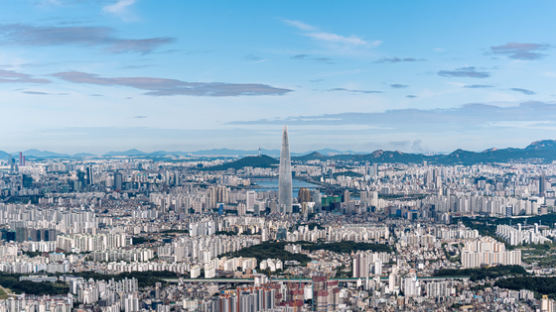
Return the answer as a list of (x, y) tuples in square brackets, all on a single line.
[(398, 86), (30, 35), (138, 45), (477, 86), (469, 72), (118, 7), (521, 51), (163, 86), (329, 37), (254, 58), (136, 66), (354, 90), (299, 25), (399, 60), (31, 92), (525, 124), (460, 118), (36, 92), (9, 76), (307, 57), (524, 91), (335, 38)]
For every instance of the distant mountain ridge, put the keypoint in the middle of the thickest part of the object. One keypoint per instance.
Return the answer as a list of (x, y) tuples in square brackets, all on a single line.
[(262, 161), (223, 152), (241, 153), (43, 154), (539, 151), (234, 152), (131, 152)]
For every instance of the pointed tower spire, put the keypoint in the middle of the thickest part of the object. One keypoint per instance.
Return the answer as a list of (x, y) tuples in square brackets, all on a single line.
[(285, 176)]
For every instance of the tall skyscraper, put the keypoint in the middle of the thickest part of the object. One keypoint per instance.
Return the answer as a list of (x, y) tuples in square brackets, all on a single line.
[(118, 179), (285, 176), (90, 175), (542, 185)]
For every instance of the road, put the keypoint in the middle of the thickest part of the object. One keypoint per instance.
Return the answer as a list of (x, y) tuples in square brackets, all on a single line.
[(299, 280)]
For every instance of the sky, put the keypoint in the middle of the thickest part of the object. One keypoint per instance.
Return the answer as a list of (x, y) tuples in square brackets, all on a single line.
[(415, 76)]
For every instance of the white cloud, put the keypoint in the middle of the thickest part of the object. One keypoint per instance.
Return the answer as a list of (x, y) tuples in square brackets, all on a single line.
[(328, 37), (119, 7), (331, 37), (300, 25)]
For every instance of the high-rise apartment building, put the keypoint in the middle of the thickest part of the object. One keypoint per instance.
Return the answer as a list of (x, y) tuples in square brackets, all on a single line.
[(250, 199), (304, 195)]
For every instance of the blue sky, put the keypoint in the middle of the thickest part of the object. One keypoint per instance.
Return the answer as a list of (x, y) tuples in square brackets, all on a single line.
[(420, 76)]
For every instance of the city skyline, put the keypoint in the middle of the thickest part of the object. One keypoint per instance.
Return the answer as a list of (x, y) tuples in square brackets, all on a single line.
[(284, 156), (163, 76)]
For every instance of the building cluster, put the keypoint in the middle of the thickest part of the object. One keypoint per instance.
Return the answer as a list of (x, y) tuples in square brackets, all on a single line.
[(522, 235), (121, 233), (487, 251)]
